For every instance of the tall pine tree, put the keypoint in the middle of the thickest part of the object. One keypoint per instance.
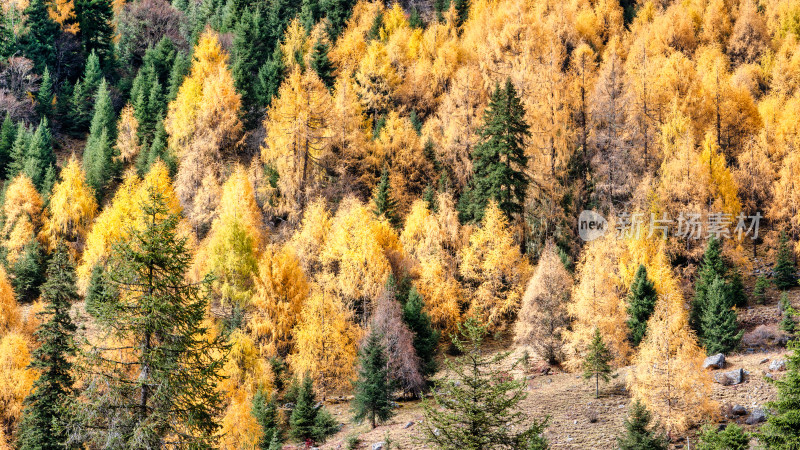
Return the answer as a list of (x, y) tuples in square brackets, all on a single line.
[(45, 96), (385, 205), (251, 50), (373, 389), (499, 160), (38, 41), (785, 276), (8, 134), (40, 161), (80, 112), (98, 157), (265, 410), (782, 430), (641, 302), (639, 435), (322, 64), (47, 407), (596, 363), (160, 390), (310, 421), (720, 331), (96, 25), (426, 338)]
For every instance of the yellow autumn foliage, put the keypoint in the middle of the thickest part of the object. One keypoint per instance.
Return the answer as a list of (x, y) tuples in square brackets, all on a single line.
[(72, 208)]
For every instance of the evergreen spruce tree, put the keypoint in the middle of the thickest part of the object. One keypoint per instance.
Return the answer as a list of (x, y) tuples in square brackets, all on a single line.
[(162, 390), (720, 331), (7, 38), (385, 205), (96, 25), (788, 324), (45, 96), (429, 198), (98, 158), (478, 406), (161, 58), (784, 265), (8, 134), (265, 410), (596, 363), (373, 388), (760, 290), (712, 266), (19, 151), (731, 438), (462, 12), (641, 302), (337, 12), (251, 50), (47, 407), (322, 65), (638, 433), (29, 272), (310, 14), (99, 291), (310, 421), (270, 77), (499, 160), (180, 68), (782, 430), (426, 338), (141, 91), (40, 157), (83, 95), (38, 42)]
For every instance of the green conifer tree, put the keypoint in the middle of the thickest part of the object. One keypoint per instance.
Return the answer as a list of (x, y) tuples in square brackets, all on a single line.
[(639, 435), (8, 134), (270, 77), (96, 25), (760, 290), (337, 12), (322, 65), (310, 421), (782, 430), (733, 437), (45, 96), (641, 302), (784, 265), (426, 338), (385, 205), (251, 50), (478, 406), (28, 272), (373, 388), (712, 266), (310, 14), (180, 68), (46, 415), (98, 157), (84, 93), (265, 410), (162, 391), (499, 160), (19, 150), (462, 12), (720, 331), (38, 41), (596, 363), (40, 157)]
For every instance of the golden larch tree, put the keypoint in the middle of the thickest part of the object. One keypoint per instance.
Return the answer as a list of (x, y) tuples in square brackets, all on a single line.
[(23, 216), (72, 208), (16, 379), (494, 270)]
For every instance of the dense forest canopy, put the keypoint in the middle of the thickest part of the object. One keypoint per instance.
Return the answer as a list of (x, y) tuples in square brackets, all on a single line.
[(212, 209)]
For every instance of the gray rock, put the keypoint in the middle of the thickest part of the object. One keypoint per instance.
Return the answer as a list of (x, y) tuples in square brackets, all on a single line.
[(714, 361), (765, 360), (738, 410), (409, 425), (377, 446), (729, 378), (757, 416), (778, 365)]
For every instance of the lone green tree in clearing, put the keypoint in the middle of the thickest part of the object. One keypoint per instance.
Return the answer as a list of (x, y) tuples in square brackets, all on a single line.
[(639, 435), (784, 265), (731, 438), (385, 204), (373, 389), (597, 361), (721, 333), (310, 421), (782, 430), (478, 407), (47, 407), (641, 302), (159, 388), (425, 337), (499, 160)]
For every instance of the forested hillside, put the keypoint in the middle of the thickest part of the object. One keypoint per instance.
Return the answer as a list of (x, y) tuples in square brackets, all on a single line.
[(221, 217)]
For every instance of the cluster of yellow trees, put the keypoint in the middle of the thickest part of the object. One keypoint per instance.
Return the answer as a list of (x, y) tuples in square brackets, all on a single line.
[(689, 106)]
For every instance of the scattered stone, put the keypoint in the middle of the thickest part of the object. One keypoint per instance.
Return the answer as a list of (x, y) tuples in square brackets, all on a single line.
[(409, 425), (621, 406), (729, 378), (769, 375), (757, 416), (714, 361), (738, 410), (436, 432), (765, 360), (778, 365), (377, 446)]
